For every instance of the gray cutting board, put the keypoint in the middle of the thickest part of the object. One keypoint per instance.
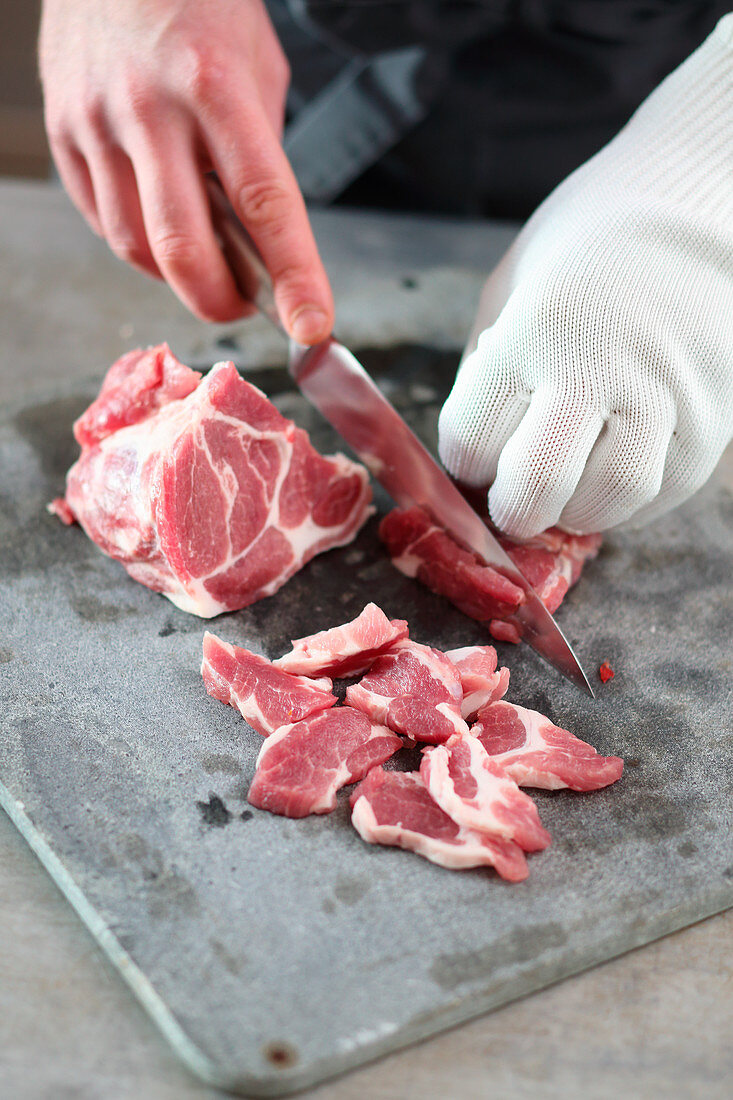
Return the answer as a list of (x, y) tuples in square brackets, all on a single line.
[(273, 953)]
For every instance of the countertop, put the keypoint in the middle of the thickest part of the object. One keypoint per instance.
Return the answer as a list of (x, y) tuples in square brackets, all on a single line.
[(656, 1021)]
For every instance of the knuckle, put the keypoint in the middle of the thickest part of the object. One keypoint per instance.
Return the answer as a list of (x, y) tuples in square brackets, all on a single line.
[(94, 112), (264, 202), (95, 117), (70, 122), (204, 74), (176, 251), (137, 106), (563, 304)]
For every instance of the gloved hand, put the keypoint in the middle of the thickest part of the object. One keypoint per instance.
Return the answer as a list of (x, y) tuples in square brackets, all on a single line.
[(597, 389), (142, 98)]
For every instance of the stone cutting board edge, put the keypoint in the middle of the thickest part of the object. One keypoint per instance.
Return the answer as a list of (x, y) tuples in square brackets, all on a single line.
[(373, 1045)]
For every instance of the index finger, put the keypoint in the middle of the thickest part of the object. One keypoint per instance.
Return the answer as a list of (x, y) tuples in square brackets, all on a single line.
[(262, 188)]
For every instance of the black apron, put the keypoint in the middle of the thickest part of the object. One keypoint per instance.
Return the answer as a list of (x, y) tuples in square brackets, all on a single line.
[(468, 108)]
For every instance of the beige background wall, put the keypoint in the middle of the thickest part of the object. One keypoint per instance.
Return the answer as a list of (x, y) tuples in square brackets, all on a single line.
[(23, 148)]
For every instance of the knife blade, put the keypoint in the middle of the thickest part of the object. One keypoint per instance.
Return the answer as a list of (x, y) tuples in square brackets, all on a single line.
[(336, 383)]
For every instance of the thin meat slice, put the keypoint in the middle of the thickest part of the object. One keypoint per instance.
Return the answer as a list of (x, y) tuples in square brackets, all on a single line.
[(481, 681), (346, 650), (201, 489), (415, 690), (551, 562), (537, 753), (421, 549), (503, 631), (302, 766), (476, 792), (396, 808), (265, 696)]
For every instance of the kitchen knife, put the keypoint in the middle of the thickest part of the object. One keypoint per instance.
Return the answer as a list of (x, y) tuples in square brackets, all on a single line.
[(339, 387)]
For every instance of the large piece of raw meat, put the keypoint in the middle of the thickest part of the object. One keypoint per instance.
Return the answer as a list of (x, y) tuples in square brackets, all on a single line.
[(201, 488)]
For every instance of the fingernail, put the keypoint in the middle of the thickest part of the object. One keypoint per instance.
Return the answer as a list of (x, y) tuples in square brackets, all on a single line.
[(309, 325)]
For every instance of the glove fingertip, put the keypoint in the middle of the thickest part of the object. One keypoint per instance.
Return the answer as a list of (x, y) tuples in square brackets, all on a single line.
[(511, 518)]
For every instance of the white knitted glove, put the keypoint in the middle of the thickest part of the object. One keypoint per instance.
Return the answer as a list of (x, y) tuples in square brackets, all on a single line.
[(601, 389)]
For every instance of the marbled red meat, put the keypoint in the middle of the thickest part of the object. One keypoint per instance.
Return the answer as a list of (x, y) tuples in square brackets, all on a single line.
[(395, 808), (265, 696), (481, 681), (201, 489), (421, 549), (476, 792), (503, 631), (302, 766), (537, 753), (551, 562), (137, 385), (415, 690), (346, 650)]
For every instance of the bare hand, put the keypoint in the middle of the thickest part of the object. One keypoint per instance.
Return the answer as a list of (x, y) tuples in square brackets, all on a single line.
[(143, 97)]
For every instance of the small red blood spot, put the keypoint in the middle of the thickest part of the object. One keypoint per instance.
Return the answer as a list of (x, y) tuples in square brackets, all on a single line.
[(606, 672), (281, 1055)]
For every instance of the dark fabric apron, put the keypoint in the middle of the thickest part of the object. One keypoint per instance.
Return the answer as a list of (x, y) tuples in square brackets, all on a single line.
[(472, 108)]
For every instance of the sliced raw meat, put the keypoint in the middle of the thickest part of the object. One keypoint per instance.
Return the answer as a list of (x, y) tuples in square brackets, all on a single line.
[(476, 792), (302, 766), (265, 696), (421, 549), (537, 753), (395, 808), (551, 562), (414, 690), (502, 631), (346, 650), (209, 496), (481, 681)]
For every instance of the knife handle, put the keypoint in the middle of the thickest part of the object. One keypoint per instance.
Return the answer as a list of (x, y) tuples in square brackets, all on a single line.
[(247, 266)]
